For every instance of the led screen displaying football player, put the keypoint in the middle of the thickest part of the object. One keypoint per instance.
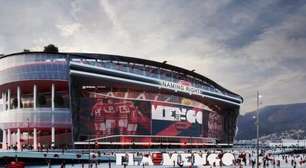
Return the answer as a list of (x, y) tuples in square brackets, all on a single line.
[(120, 117), (107, 112)]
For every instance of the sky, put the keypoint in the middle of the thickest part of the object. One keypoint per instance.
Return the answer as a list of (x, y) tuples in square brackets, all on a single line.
[(244, 45)]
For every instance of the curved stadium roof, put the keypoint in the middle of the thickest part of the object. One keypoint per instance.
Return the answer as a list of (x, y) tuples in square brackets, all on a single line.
[(136, 60)]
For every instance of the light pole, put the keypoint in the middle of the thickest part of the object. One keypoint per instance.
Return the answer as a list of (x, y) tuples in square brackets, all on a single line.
[(28, 133), (257, 128)]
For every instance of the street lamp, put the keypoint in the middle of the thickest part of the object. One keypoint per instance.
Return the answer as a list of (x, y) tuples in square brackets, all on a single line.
[(28, 133), (257, 128)]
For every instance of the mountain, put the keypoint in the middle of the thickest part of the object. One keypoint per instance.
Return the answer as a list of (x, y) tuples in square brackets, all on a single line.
[(277, 121)]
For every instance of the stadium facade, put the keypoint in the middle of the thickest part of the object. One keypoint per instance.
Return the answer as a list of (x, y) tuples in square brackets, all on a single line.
[(55, 99)]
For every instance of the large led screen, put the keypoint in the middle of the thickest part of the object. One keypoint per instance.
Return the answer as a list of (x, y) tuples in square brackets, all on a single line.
[(103, 114), (106, 117), (176, 120), (120, 117)]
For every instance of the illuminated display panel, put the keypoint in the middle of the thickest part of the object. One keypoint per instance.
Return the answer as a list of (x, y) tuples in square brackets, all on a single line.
[(103, 112)]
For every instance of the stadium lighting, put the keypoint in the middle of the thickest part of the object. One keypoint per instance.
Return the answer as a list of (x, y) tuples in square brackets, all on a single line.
[(258, 97)]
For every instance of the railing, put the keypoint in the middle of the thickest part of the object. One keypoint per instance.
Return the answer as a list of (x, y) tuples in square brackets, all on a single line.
[(39, 117), (151, 139)]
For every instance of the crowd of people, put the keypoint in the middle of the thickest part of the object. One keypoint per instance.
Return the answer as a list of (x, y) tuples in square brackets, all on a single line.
[(267, 159), (244, 158)]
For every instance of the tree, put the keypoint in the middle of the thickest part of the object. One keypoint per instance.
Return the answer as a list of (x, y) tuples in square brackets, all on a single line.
[(51, 48)]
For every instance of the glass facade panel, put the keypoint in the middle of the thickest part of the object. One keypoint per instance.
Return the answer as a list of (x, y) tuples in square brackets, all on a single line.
[(34, 72), (18, 60), (27, 100), (39, 118), (61, 99), (13, 98), (44, 99), (33, 67)]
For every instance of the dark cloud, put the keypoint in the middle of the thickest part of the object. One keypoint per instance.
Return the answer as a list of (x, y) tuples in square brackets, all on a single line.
[(244, 45)]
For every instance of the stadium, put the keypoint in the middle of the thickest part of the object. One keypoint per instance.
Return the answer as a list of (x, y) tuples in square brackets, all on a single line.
[(80, 99)]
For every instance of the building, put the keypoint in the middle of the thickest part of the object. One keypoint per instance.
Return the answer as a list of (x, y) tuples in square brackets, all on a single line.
[(74, 99), (288, 143)]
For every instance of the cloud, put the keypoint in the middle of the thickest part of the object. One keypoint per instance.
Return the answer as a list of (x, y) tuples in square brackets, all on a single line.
[(243, 45), (69, 30)]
